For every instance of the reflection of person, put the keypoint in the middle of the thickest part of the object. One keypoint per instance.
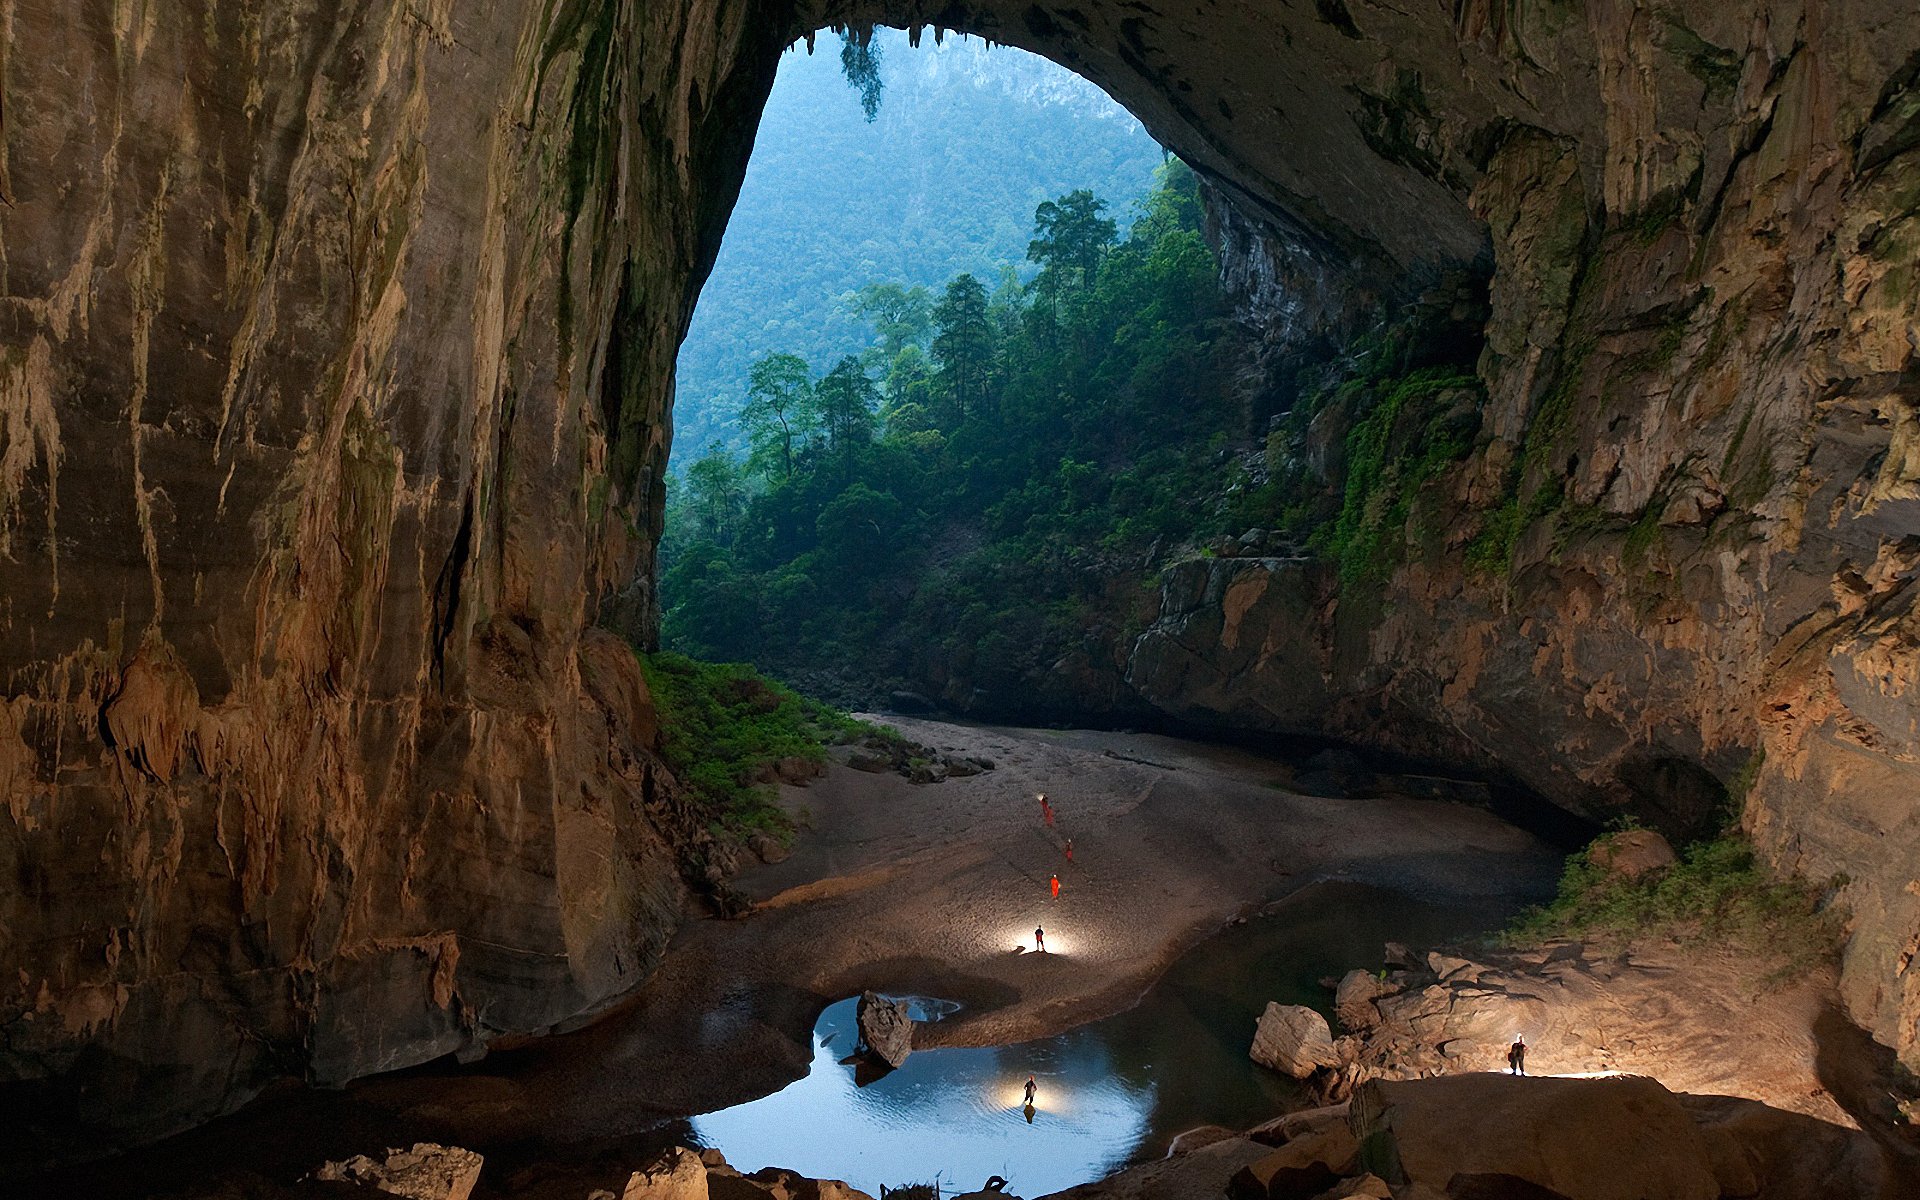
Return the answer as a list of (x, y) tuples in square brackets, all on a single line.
[(1056, 887), (1040, 940), (1029, 1112), (1517, 1056), (1031, 1088)]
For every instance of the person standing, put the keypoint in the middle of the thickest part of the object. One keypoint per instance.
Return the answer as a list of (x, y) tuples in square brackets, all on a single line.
[(1031, 1088), (1517, 1056), (1069, 849), (1046, 810), (1056, 887), (1039, 940)]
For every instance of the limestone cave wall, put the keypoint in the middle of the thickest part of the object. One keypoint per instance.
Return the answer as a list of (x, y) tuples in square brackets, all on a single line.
[(335, 385)]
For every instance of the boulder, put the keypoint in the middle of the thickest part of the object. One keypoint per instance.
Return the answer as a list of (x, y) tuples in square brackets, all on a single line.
[(679, 1174), (428, 1171), (1623, 1138), (1632, 853), (1353, 1000), (886, 1026), (1293, 1039)]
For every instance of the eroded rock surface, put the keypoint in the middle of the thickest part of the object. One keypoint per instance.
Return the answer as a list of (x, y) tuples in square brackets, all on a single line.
[(886, 1026), (424, 1172), (334, 391), (1294, 1040)]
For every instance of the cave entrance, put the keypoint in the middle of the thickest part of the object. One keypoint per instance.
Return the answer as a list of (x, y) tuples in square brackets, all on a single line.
[(961, 365)]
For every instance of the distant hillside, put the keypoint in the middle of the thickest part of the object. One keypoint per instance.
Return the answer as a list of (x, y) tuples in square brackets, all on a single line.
[(968, 141)]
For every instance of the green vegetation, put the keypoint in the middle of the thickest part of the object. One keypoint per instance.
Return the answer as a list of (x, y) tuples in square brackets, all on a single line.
[(1422, 424), (1718, 892), (962, 487), (966, 142), (725, 726)]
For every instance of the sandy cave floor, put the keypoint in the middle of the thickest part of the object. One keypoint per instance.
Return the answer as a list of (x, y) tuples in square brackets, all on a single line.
[(936, 889)]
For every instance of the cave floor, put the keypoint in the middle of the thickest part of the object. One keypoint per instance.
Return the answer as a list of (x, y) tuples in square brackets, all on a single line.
[(936, 889)]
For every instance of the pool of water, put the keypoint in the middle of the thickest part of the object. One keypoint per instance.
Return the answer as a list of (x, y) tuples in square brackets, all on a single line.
[(1109, 1093)]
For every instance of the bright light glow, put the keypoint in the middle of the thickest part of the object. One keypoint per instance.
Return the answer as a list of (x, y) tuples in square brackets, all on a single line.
[(1060, 939)]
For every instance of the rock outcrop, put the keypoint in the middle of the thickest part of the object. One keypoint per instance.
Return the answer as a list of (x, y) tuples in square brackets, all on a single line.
[(425, 1172), (1493, 1137), (335, 374), (886, 1028)]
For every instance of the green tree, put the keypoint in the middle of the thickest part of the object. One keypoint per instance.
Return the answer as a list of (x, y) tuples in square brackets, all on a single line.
[(846, 400), (900, 316), (859, 533), (779, 408), (963, 345), (718, 494), (1070, 237)]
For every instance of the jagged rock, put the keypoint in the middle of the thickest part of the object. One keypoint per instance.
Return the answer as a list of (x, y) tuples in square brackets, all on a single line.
[(1632, 853), (363, 384), (427, 1171), (680, 1174), (886, 1026), (1353, 1000), (1293, 1039)]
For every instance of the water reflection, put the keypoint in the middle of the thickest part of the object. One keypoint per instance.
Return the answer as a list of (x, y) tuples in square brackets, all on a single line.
[(958, 1115), (1108, 1093)]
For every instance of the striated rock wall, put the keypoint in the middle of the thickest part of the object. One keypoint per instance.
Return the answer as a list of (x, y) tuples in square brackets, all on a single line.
[(335, 369), (335, 361), (1678, 569)]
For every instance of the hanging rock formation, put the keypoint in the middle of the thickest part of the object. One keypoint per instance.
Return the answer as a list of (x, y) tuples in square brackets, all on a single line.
[(335, 375)]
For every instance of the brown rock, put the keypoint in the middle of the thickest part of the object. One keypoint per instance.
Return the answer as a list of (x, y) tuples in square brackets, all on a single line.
[(1624, 1138), (1193, 1139), (1304, 1167), (1294, 1040), (680, 1174), (1353, 1000), (1632, 853), (886, 1027), (427, 1171)]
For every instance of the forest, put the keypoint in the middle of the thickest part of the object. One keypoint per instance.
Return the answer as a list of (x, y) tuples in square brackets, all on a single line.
[(963, 143), (965, 485)]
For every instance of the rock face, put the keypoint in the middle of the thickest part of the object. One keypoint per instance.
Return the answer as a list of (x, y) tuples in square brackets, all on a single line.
[(1585, 1139), (426, 1172), (1493, 1137), (334, 390), (1294, 1040), (886, 1027)]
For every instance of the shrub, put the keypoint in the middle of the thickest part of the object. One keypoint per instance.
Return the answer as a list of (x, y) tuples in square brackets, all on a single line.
[(1718, 891), (725, 725)]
